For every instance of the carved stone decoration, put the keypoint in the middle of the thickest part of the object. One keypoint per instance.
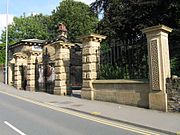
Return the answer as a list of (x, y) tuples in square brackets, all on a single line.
[(159, 66), (62, 30), (155, 65)]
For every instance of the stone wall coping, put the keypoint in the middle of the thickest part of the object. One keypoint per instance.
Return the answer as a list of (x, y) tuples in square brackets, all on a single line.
[(93, 36), (157, 28), (121, 81), (63, 44), (35, 52)]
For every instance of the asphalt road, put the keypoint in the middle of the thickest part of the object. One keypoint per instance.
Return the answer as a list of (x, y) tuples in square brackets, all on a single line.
[(19, 117)]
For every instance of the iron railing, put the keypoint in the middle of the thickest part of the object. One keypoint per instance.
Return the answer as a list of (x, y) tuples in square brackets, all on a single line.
[(124, 59)]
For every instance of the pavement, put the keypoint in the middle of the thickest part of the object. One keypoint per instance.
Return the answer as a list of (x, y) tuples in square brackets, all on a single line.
[(165, 122)]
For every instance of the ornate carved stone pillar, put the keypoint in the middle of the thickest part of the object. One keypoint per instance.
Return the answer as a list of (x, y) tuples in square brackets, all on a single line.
[(62, 61), (19, 61), (90, 56), (32, 55), (159, 65)]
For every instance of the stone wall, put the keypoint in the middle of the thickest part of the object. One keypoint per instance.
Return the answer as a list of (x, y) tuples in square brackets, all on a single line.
[(173, 92), (129, 92)]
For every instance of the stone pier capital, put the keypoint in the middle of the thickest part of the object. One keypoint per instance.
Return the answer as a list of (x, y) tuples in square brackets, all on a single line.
[(62, 44), (93, 37), (156, 29), (35, 52), (20, 55)]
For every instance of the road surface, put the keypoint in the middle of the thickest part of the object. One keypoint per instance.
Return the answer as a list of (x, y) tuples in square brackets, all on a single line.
[(20, 117)]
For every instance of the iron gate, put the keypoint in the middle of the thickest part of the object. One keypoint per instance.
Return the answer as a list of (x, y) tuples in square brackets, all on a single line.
[(75, 68), (48, 73)]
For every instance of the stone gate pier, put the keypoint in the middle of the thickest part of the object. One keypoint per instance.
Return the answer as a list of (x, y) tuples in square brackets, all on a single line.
[(90, 60), (149, 94), (159, 65)]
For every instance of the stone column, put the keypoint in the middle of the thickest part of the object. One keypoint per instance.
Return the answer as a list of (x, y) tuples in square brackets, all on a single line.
[(31, 70), (159, 65), (90, 56), (19, 61), (62, 61)]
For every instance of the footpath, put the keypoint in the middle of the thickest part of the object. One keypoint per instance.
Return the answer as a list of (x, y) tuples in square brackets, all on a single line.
[(165, 122)]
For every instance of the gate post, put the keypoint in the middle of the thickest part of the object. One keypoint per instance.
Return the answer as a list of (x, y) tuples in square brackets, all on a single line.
[(19, 60), (31, 70), (159, 65), (62, 61), (90, 56)]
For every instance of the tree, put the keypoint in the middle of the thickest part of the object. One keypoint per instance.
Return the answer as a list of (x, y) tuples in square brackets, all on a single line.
[(77, 17), (2, 53), (34, 26), (128, 17), (124, 19)]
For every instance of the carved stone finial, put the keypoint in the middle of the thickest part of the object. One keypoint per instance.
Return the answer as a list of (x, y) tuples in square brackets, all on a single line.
[(62, 30)]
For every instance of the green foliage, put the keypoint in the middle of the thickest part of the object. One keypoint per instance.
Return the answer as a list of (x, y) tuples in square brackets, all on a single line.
[(104, 47), (2, 53), (124, 19), (27, 28), (77, 17), (110, 72), (175, 66)]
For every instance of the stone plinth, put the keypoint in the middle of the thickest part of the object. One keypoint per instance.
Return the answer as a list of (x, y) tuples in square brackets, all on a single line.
[(31, 70), (159, 65), (62, 62), (90, 59)]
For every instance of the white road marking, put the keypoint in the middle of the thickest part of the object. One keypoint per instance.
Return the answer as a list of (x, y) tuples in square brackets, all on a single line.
[(14, 128), (84, 116)]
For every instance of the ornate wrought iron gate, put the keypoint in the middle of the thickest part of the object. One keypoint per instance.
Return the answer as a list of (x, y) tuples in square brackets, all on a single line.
[(44, 74), (48, 73), (37, 88), (75, 68)]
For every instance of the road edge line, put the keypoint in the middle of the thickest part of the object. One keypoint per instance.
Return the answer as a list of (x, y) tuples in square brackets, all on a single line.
[(44, 104)]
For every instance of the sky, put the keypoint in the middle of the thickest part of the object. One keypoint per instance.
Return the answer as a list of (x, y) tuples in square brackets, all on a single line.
[(18, 7)]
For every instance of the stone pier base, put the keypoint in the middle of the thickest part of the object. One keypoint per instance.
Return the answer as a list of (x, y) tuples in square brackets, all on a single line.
[(158, 101), (87, 94)]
